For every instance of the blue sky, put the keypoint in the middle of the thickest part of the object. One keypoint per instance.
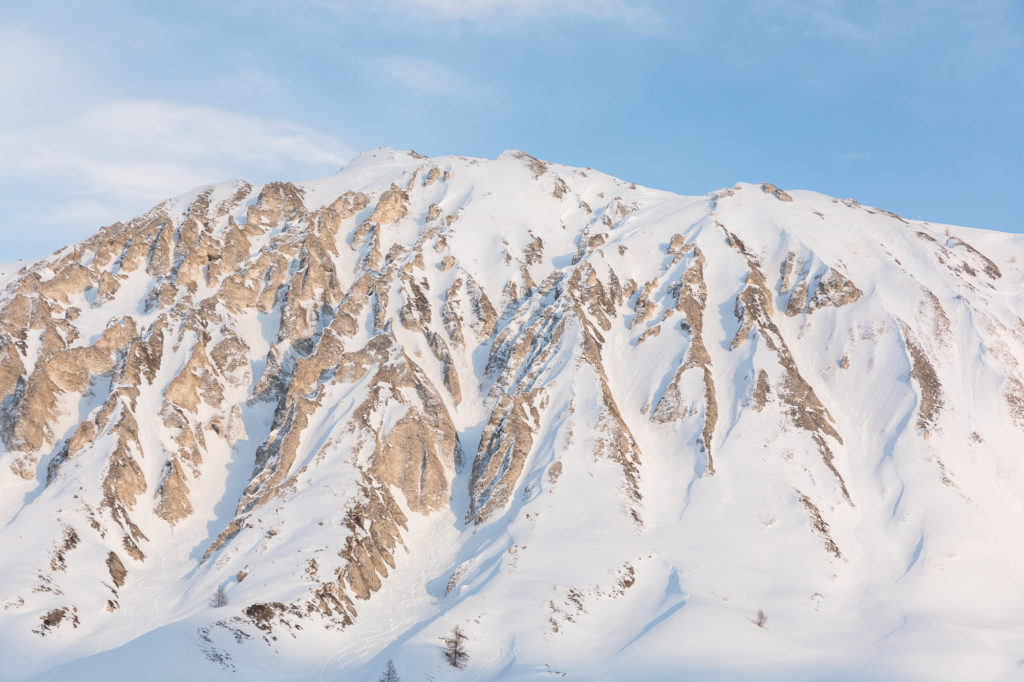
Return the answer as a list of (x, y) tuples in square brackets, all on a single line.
[(108, 107)]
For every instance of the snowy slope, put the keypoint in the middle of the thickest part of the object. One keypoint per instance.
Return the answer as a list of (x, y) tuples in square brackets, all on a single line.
[(9, 270), (598, 426)]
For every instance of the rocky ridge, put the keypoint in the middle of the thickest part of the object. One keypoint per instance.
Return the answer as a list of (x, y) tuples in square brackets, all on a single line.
[(290, 390)]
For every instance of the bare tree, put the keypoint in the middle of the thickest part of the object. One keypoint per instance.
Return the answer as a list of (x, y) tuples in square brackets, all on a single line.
[(455, 648), (219, 598), (390, 673), (761, 618)]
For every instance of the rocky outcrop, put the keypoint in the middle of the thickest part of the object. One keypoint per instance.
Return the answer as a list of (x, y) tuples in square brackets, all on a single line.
[(923, 373), (277, 384), (769, 188), (809, 291), (691, 300), (504, 446), (755, 312)]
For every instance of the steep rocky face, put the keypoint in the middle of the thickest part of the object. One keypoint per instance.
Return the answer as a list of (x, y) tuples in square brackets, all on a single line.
[(502, 377)]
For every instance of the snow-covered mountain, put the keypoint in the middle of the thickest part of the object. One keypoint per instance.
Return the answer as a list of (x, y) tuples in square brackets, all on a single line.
[(612, 433)]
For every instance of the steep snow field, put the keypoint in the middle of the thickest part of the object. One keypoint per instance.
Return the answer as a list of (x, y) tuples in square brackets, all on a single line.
[(8, 270), (611, 432)]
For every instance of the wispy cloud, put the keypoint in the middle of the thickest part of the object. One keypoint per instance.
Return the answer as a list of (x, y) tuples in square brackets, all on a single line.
[(488, 10), (40, 75), (118, 158), (823, 18), (988, 27), (425, 76), (494, 15)]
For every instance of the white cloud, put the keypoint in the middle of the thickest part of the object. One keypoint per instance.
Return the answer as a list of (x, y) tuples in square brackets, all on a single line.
[(425, 76), (118, 158), (620, 10), (826, 18), (988, 27), (499, 15), (40, 76)]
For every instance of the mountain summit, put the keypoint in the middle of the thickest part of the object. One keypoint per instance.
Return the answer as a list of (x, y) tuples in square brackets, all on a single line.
[(301, 430)]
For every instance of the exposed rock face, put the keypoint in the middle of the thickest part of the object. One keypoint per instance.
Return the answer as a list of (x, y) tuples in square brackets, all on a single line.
[(117, 569), (504, 447), (289, 384), (691, 300), (769, 188), (811, 292)]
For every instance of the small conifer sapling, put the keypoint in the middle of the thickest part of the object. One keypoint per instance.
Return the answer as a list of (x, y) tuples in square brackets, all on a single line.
[(390, 673), (455, 648), (219, 598)]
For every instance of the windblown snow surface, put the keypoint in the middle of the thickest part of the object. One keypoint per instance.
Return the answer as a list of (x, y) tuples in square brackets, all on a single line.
[(8, 270), (599, 427)]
